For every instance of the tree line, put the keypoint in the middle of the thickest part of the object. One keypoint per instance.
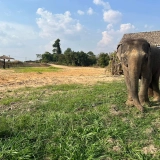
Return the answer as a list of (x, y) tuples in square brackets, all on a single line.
[(70, 57)]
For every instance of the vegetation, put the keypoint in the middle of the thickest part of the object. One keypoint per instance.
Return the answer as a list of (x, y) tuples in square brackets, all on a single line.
[(73, 58), (57, 48), (47, 57), (103, 60), (36, 69), (114, 67), (59, 122)]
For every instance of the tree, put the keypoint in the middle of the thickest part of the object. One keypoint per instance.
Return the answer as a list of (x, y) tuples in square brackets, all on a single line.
[(81, 58), (39, 57), (61, 59), (47, 57), (55, 57), (56, 47), (91, 58), (103, 59), (90, 53), (69, 57)]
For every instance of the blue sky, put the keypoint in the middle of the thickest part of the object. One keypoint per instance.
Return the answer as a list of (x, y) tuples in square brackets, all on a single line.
[(30, 27)]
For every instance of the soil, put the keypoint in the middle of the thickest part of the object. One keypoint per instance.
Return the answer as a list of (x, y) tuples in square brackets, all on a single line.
[(67, 75)]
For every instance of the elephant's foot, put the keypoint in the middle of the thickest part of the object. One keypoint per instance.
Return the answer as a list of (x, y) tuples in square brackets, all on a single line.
[(144, 101), (140, 108), (129, 103), (156, 99), (150, 92)]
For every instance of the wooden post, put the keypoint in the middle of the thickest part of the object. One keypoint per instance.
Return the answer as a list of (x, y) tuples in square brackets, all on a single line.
[(4, 65)]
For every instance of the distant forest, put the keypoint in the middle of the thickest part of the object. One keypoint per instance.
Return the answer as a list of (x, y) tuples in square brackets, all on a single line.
[(72, 58)]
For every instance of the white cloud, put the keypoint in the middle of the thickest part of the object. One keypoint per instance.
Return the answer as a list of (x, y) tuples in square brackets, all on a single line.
[(80, 12), (111, 37), (55, 24), (148, 27), (19, 41), (90, 11), (12, 34), (109, 26), (112, 16), (24, 41), (106, 39), (69, 30), (106, 5), (126, 28)]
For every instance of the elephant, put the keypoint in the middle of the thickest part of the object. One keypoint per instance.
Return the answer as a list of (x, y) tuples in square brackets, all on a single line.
[(140, 60)]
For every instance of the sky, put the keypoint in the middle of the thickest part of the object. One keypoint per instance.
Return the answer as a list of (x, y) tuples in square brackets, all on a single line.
[(30, 27)]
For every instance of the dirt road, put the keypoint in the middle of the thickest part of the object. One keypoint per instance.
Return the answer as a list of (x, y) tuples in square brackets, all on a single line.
[(83, 75)]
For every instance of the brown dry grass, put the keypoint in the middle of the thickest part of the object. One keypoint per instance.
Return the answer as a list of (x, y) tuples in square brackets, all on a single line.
[(82, 75)]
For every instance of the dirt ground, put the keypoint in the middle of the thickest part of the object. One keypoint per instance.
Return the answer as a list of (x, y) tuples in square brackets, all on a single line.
[(82, 75)]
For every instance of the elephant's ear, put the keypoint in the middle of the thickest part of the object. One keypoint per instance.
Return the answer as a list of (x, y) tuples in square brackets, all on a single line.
[(119, 51), (146, 48), (119, 47)]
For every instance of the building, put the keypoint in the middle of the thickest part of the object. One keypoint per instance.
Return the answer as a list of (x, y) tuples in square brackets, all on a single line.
[(4, 58), (152, 37)]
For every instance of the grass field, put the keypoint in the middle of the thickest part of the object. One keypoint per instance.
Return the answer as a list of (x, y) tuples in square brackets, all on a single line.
[(35, 69), (76, 122)]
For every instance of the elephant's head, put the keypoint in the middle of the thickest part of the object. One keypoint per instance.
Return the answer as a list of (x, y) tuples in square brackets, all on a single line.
[(131, 49)]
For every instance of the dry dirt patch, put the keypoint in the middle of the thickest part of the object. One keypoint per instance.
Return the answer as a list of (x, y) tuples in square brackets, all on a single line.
[(82, 75)]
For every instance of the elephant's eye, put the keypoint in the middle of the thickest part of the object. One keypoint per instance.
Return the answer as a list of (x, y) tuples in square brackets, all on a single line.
[(125, 61)]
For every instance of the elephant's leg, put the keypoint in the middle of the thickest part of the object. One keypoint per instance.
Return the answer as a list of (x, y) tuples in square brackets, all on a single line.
[(132, 88), (145, 81), (143, 93), (129, 101), (150, 90), (155, 85)]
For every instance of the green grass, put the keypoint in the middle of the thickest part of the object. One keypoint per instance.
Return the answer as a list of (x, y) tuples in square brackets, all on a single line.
[(76, 122), (35, 69)]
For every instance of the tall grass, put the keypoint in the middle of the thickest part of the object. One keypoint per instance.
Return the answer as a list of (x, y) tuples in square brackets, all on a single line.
[(76, 122)]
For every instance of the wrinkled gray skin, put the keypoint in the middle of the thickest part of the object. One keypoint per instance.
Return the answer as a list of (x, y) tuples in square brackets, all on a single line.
[(140, 61)]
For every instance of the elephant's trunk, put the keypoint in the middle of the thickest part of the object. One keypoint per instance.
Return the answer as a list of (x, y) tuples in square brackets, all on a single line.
[(134, 68)]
